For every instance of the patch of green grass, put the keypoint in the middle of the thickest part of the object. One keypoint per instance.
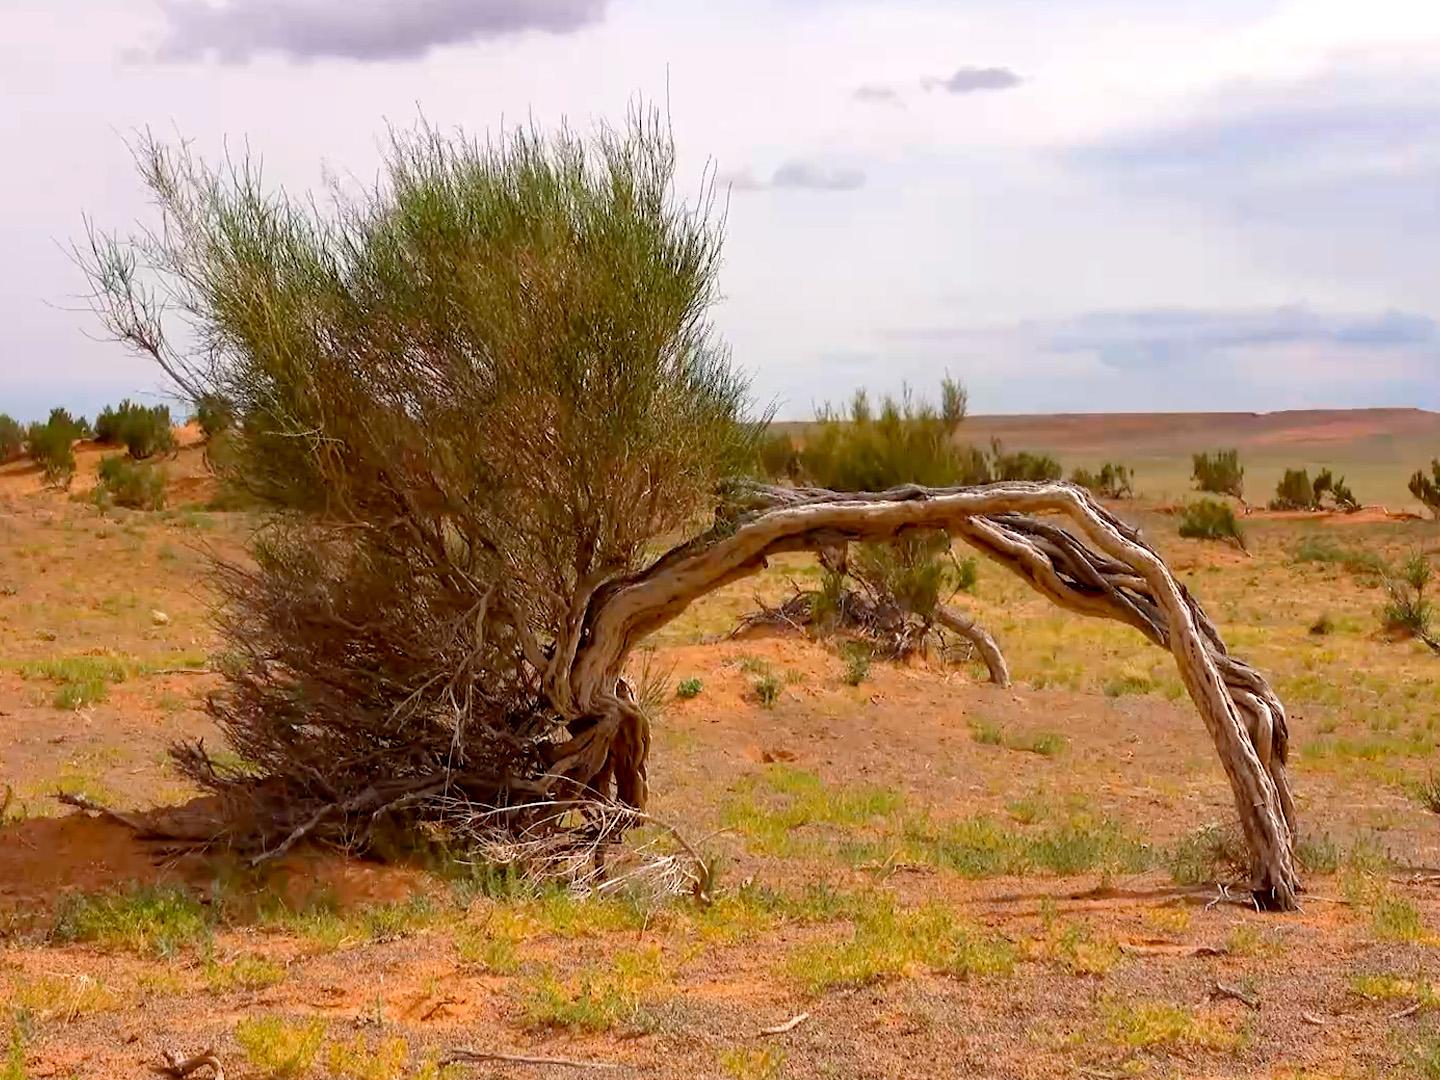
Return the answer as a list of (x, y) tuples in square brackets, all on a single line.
[(767, 811), (689, 688), (980, 847), (1130, 681), (857, 657), (1146, 1025), (1072, 947), (886, 943), (752, 1063), (1427, 793), (1046, 743), (767, 689), (245, 972), (1214, 853), (987, 732), (1387, 986), (15, 1057), (364, 1059), (1318, 548), (280, 1048), (598, 998), (1392, 917), (63, 998), (147, 920)]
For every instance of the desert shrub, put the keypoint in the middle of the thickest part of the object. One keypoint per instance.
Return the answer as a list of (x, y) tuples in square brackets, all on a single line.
[(1220, 473), (1408, 612), (777, 457), (144, 430), (1294, 492), (1318, 548), (1021, 464), (12, 437), (1340, 494), (125, 482), (1210, 519), (492, 388), (1427, 793), (214, 414), (689, 688), (51, 446), (904, 441), (1427, 488), (1111, 481)]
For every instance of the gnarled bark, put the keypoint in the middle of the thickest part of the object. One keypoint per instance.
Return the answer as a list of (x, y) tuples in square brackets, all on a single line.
[(1103, 569)]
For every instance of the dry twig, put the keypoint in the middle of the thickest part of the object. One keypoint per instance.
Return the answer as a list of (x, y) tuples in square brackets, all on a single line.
[(788, 1025), (465, 1056)]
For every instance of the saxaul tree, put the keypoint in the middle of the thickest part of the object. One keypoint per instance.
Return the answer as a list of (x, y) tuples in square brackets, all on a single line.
[(476, 399)]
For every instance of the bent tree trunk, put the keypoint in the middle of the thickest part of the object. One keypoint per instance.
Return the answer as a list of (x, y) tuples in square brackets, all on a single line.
[(1103, 568)]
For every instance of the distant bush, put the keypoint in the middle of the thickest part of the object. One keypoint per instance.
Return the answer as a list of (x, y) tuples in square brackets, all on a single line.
[(1296, 491), (689, 688), (60, 418), (1021, 464), (12, 437), (50, 445), (1427, 488), (1220, 473), (1408, 611), (1339, 492), (214, 414), (1210, 519), (144, 430), (1112, 481), (131, 484), (777, 457)]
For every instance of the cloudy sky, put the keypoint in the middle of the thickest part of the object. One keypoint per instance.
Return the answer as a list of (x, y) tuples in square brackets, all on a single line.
[(1070, 204)]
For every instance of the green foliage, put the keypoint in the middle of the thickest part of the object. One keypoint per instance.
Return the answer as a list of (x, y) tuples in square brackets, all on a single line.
[(1220, 473), (214, 414), (1427, 793), (1021, 464), (12, 437), (155, 921), (144, 430), (777, 457), (887, 942), (689, 688), (1427, 488), (1111, 481), (1408, 611), (491, 374), (1318, 548), (917, 571), (767, 687), (597, 999), (51, 446), (15, 1056), (1210, 519), (857, 662), (126, 482), (904, 441), (1295, 492), (1339, 492), (280, 1049)]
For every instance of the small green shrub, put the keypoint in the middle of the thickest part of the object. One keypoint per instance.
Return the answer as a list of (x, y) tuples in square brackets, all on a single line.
[(1295, 492), (1339, 492), (1220, 473), (144, 430), (129, 483), (1210, 519), (767, 687), (12, 437), (1318, 548), (1322, 626), (51, 446), (1427, 488), (155, 921), (1111, 481), (1427, 793), (214, 414), (689, 688), (857, 663), (1408, 611), (280, 1049), (777, 457)]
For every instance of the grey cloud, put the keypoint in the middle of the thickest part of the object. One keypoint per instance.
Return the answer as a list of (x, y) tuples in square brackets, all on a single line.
[(800, 175), (970, 80), (356, 29), (877, 94)]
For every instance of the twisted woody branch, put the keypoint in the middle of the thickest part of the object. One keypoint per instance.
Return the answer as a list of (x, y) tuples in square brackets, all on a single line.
[(1103, 568)]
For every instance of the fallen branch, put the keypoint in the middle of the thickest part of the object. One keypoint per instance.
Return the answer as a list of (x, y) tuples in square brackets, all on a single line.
[(1311, 1018), (788, 1025), (179, 1067), (1409, 1010), (464, 1056), (1225, 990), (1172, 950), (82, 802)]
